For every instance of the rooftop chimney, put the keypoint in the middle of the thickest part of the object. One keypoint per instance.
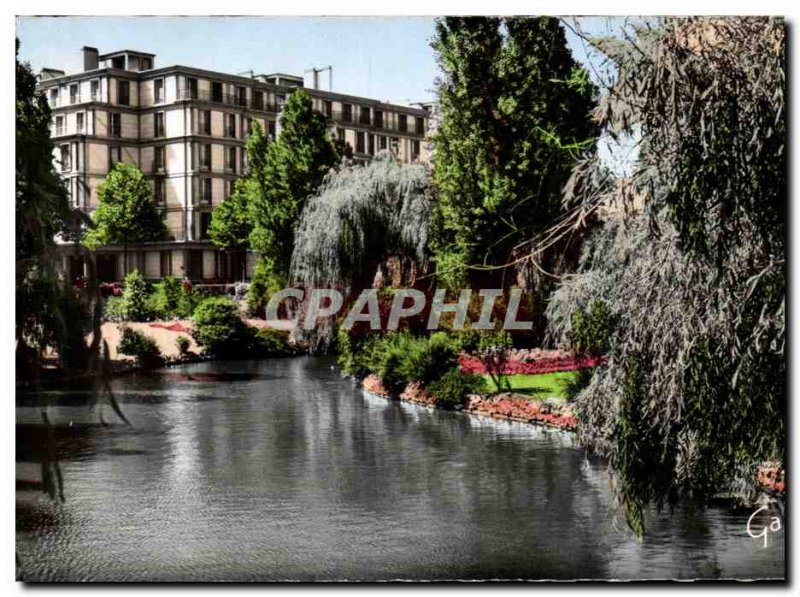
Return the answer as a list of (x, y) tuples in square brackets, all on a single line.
[(90, 61)]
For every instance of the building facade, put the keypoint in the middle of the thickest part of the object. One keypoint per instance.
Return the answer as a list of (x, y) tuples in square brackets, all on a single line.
[(185, 128)]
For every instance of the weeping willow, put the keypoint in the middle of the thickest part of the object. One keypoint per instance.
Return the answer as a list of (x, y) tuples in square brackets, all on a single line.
[(692, 398), (358, 218)]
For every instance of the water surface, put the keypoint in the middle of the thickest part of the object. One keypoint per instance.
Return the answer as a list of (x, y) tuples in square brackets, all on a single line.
[(281, 469)]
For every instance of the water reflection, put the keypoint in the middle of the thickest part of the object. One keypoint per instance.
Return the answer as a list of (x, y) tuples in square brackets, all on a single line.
[(283, 470)]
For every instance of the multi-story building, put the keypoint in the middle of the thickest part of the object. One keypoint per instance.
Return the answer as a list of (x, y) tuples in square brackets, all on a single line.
[(186, 128)]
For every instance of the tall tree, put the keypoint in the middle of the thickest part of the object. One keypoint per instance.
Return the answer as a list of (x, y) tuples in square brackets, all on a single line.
[(514, 115), (47, 312), (296, 164), (127, 213), (692, 400), (231, 223)]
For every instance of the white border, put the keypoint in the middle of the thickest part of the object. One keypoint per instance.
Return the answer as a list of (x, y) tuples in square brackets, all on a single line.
[(359, 7)]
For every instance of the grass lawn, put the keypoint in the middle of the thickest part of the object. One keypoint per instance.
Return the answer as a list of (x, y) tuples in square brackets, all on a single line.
[(543, 385)]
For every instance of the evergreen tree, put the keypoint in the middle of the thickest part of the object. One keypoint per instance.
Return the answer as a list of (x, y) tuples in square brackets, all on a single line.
[(514, 114), (127, 213)]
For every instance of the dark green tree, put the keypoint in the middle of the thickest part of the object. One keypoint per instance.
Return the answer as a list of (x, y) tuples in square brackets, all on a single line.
[(514, 116), (127, 213), (295, 165), (48, 312)]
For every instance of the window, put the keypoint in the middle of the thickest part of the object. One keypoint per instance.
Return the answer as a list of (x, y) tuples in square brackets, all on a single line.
[(402, 125), (247, 127), (158, 91), (95, 90), (359, 142), (118, 62), (230, 163), (378, 119), (73, 94), (59, 125), (114, 155), (231, 128), (420, 128), (158, 159), (166, 263), (216, 92), (280, 99), (192, 88), (79, 122), (205, 162), (364, 117), (347, 113), (147, 63), (229, 188), (158, 123), (158, 190), (414, 150), (241, 96), (65, 162), (123, 93), (371, 144), (328, 107), (205, 191), (258, 100), (205, 224), (54, 96), (381, 142), (116, 124), (205, 122), (271, 130)]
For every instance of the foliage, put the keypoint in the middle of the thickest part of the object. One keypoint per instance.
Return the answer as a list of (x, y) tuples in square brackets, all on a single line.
[(219, 329), (127, 213), (47, 311), (114, 309), (263, 285), (294, 166), (591, 330), (358, 218), (453, 387), (136, 305), (166, 298), (230, 221), (493, 350), (692, 399), (272, 342), (183, 343), (514, 116), (398, 358), (136, 344)]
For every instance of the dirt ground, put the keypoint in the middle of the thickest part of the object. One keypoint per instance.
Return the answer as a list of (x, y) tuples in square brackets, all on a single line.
[(167, 338)]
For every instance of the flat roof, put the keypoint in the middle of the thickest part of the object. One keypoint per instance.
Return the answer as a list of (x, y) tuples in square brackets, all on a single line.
[(118, 52)]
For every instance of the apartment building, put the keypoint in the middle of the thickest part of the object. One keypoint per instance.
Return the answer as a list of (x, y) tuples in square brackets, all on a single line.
[(186, 129)]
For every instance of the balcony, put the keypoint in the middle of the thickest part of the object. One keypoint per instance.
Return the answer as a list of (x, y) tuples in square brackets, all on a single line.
[(227, 99), (156, 167), (339, 118)]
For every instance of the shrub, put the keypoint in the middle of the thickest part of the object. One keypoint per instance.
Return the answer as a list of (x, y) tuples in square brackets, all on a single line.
[(219, 329), (264, 284), (114, 309), (271, 342), (136, 344), (183, 343), (427, 359), (135, 295), (452, 388), (166, 298), (591, 330)]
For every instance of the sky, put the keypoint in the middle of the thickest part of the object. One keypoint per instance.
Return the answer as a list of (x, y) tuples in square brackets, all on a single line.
[(385, 58)]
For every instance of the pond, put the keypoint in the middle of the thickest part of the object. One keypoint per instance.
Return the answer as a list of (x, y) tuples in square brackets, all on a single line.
[(282, 469)]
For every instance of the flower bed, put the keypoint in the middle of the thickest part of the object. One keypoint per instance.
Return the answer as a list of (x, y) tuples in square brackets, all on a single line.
[(532, 362), (519, 409)]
